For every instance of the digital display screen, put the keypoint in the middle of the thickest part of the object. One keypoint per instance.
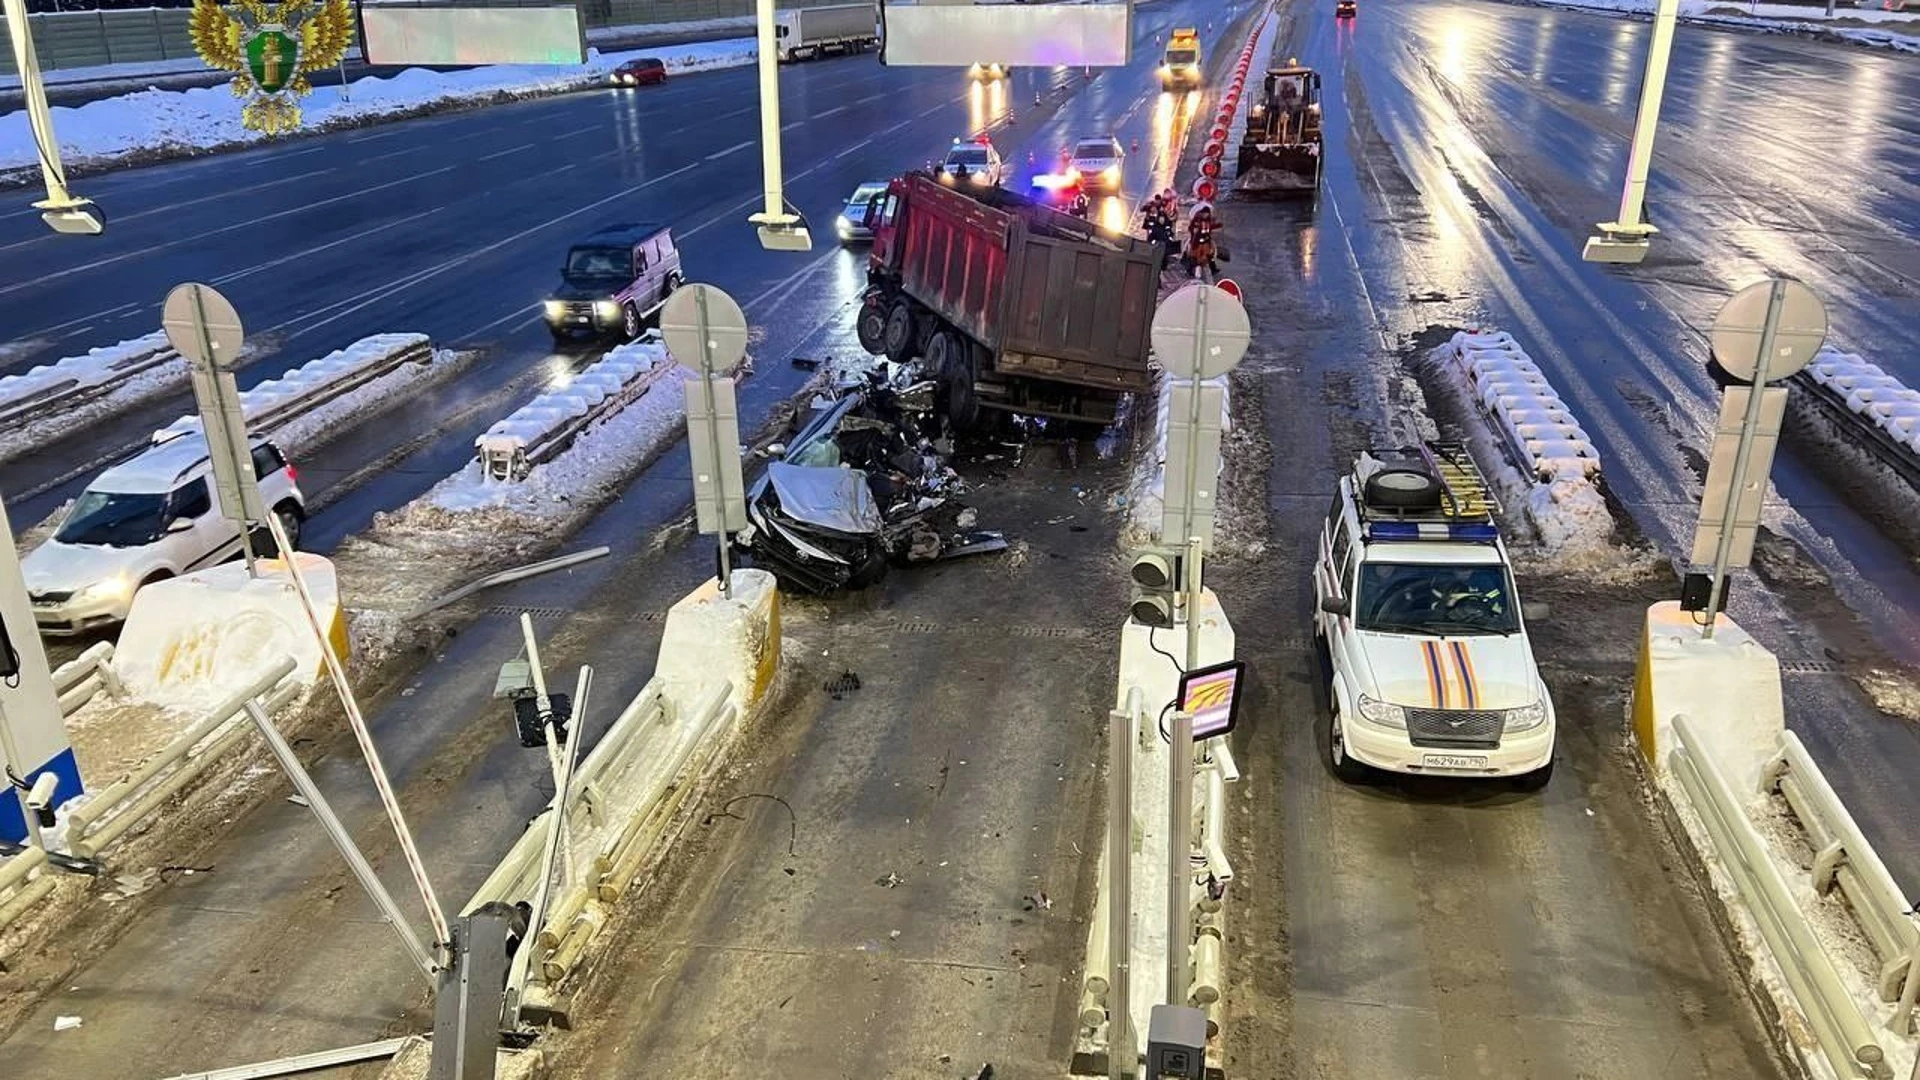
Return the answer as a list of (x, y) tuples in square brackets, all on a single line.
[(1212, 695), (454, 36)]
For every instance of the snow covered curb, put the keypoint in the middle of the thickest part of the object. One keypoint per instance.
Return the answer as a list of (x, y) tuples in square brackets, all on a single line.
[(152, 124), (1876, 397), (1786, 19), (275, 406), (1511, 416), (1833, 926), (545, 427), (49, 401)]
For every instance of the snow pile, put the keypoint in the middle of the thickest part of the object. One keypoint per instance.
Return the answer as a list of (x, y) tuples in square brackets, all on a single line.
[(119, 375), (1553, 464), (1870, 393), (1776, 18), (193, 641), (1146, 498), (311, 379), (614, 375), (154, 122)]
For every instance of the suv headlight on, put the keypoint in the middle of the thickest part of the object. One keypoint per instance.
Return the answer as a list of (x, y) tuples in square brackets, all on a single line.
[(1526, 717), (606, 310), (116, 587), (556, 310), (1383, 713)]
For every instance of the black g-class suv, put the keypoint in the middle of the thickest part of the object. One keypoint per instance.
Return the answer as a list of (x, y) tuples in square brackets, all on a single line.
[(614, 280)]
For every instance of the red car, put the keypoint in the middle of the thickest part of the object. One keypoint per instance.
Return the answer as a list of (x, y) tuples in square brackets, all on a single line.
[(643, 72)]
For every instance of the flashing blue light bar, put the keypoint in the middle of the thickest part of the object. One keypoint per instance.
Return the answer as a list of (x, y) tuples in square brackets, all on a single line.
[(1476, 533)]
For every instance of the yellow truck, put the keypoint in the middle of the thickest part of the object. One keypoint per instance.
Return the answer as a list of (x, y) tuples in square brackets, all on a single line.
[(1180, 67)]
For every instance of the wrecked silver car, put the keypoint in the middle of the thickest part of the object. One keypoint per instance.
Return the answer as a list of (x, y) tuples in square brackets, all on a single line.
[(864, 484)]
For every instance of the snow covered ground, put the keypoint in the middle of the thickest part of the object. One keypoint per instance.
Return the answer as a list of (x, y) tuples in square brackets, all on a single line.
[(129, 363), (1901, 31), (155, 123)]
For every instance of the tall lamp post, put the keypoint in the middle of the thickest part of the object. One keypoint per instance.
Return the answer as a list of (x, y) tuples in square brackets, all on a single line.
[(64, 211), (1628, 238)]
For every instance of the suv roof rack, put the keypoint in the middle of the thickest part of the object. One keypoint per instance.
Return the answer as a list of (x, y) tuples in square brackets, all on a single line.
[(1440, 494)]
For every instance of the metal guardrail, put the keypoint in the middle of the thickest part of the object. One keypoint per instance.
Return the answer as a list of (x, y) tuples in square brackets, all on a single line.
[(78, 680), (506, 456), (74, 392), (1845, 1038), (1874, 438), (582, 906), (1844, 860), (113, 811)]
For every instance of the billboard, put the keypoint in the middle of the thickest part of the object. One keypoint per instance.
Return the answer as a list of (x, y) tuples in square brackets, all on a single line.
[(959, 35), (451, 35)]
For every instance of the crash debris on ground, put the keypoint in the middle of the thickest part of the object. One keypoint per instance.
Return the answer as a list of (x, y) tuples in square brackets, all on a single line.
[(866, 482)]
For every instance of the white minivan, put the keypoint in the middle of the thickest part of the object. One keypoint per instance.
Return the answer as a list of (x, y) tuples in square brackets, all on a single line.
[(143, 520)]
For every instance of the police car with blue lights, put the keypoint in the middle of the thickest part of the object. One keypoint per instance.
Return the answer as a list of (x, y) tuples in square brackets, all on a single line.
[(1430, 669)]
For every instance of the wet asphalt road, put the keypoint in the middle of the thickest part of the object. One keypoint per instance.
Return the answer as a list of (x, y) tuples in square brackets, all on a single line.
[(279, 934), (1581, 961)]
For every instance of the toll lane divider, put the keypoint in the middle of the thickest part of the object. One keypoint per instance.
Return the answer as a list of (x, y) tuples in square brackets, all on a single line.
[(274, 404), (1876, 409), (46, 401), (545, 427), (1746, 800), (1538, 431), (633, 793)]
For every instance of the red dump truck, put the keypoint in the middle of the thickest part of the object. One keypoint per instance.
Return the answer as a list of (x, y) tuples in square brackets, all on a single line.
[(1015, 306)]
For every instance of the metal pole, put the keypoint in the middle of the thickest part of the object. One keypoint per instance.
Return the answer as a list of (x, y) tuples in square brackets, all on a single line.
[(342, 67), (769, 67), (39, 116), (207, 350), (1120, 1047), (523, 957), (544, 706), (713, 428), (317, 802), (1179, 857), (436, 915), (1193, 415), (1743, 454), (18, 767), (1652, 88)]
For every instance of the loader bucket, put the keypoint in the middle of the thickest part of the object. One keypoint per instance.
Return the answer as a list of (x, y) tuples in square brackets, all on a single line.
[(1278, 169)]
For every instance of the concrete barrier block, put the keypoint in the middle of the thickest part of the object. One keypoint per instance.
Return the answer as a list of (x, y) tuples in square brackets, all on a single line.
[(192, 640), (709, 638), (1729, 686)]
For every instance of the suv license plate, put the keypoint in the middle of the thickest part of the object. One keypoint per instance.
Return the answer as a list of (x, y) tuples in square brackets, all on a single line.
[(1454, 761)]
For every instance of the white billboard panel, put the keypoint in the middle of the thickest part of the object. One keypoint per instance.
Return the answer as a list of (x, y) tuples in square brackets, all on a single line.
[(451, 35), (943, 35)]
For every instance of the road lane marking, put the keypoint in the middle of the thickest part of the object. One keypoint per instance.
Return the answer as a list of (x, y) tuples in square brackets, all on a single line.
[(790, 127), (830, 112), (257, 267), (508, 150), (343, 308), (198, 237), (270, 158), (718, 154)]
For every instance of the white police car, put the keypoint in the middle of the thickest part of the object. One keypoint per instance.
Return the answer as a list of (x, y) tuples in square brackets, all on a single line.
[(1432, 672)]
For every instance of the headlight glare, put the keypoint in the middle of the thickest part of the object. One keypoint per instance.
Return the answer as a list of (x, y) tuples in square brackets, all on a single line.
[(556, 309), (606, 310), (1526, 717), (1384, 713)]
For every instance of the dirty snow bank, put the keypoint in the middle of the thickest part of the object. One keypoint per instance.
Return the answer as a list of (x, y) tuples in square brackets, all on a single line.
[(1543, 463), (98, 370), (466, 527), (1833, 926), (1775, 18), (151, 123)]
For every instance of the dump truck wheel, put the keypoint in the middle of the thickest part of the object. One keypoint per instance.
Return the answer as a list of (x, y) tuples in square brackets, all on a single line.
[(871, 327), (963, 403), (899, 336)]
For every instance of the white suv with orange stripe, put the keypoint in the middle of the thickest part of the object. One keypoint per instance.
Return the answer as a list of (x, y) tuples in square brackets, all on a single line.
[(1430, 669)]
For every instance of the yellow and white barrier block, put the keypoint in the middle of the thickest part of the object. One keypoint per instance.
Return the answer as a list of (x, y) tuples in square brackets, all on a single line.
[(710, 639), (192, 639), (1729, 687)]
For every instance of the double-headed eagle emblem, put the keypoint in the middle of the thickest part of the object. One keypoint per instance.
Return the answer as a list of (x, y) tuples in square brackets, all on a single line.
[(270, 48)]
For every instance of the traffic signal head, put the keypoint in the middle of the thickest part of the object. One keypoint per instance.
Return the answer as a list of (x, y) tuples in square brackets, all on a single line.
[(1156, 583)]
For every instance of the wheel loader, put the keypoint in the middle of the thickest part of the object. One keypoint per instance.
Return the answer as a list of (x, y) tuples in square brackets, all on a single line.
[(1281, 151)]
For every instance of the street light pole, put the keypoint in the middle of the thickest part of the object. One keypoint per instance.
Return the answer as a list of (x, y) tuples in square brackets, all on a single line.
[(1626, 238), (62, 210)]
